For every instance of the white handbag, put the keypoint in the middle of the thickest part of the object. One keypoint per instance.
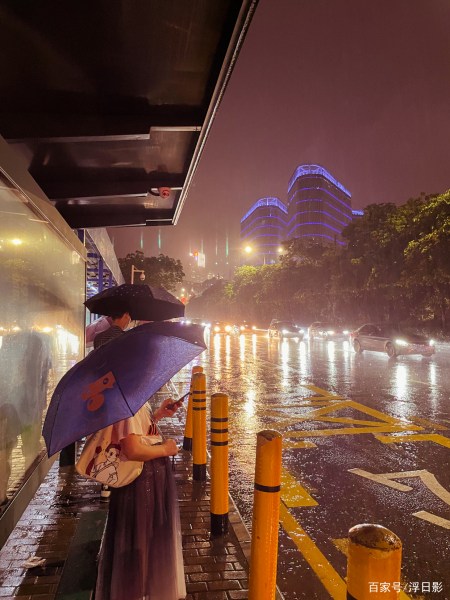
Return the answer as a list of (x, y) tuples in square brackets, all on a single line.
[(104, 461)]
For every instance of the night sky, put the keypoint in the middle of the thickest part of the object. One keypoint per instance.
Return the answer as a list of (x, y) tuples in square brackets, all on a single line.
[(361, 88)]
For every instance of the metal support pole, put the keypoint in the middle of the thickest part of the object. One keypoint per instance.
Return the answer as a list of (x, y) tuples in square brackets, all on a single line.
[(219, 464), (374, 563), (199, 426), (187, 441), (266, 510)]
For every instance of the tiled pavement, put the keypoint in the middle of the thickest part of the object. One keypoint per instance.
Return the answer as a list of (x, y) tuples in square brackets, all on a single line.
[(216, 568)]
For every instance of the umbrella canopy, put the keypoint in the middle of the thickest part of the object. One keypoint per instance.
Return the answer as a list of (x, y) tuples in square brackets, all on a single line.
[(143, 302), (97, 326), (113, 382)]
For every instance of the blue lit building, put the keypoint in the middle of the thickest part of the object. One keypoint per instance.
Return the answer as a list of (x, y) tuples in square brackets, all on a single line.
[(263, 229), (319, 207)]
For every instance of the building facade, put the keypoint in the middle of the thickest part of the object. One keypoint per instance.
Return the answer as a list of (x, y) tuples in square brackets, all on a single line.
[(319, 207), (262, 231)]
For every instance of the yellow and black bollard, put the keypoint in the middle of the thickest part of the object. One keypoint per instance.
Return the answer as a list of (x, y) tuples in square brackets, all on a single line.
[(219, 464), (187, 441), (266, 510), (199, 426), (374, 563)]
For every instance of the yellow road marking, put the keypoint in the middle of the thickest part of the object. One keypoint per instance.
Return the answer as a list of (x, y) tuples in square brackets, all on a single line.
[(342, 545), (429, 424), (292, 493), (330, 579), (414, 437), (350, 431)]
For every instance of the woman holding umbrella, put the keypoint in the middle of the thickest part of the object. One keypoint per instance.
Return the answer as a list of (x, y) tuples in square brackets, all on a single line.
[(141, 553)]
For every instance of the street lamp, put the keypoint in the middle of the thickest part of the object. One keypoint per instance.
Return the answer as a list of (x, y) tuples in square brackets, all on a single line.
[(134, 270)]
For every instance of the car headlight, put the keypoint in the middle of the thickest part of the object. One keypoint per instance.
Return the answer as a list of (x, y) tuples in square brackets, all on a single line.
[(227, 328), (402, 343), (254, 327), (217, 329), (331, 332), (285, 331), (346, 332), (242, 328), (432, 342)]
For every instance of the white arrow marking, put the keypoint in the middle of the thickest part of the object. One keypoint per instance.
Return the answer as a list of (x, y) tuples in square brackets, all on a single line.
[(426, 516), (427, 478)]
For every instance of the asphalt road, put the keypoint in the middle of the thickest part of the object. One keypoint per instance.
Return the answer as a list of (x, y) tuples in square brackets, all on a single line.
[(366, 439)]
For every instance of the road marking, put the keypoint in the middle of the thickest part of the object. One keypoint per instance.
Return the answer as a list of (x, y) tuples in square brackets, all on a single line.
[(426, 516), (429, 424), (345, 431), (387, 479), (414, 437), (288, 445), (330, 579), (292, 493), (342, 545)]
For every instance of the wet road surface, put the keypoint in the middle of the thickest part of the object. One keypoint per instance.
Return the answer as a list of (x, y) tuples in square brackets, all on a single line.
[(365, 439)]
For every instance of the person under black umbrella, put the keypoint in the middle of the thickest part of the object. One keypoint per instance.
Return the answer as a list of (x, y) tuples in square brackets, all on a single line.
[(121, 320)]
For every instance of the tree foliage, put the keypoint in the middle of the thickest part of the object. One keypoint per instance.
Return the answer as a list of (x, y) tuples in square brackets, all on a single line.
[(394, 267), (159, 270)]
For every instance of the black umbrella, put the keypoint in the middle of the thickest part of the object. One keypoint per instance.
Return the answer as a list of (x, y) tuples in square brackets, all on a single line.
[(143, 302)]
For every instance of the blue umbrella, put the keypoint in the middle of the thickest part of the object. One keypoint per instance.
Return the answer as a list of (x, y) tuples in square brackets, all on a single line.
[(113, 382)]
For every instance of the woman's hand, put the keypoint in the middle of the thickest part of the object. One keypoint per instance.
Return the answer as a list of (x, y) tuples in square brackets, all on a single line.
[(135, 449), (168, 408), (170, 447)]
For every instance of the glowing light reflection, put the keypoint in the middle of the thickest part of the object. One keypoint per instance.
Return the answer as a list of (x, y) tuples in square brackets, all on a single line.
[(401, 387), (285, 347), (242, 347), (249, 405)]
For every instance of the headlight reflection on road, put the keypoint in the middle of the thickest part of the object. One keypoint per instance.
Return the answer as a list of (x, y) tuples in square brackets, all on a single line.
[(217, 357), (242, 347), (227, 350), (400, 387), (303, 360), (249, 405), (331, 351), (285, 347)]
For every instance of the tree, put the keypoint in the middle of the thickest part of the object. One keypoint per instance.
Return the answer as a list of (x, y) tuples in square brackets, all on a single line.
[(159, 270), (427, 255)]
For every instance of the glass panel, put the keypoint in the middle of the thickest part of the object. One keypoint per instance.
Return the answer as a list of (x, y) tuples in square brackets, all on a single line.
[(42, 288)]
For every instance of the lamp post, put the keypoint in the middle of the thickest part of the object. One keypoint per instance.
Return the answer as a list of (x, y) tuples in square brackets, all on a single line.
[(134, 270)]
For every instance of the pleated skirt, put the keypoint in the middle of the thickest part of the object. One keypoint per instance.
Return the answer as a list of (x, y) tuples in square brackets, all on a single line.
[(141, 555)]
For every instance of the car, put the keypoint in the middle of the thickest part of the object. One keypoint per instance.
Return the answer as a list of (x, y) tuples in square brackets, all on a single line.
[(284, 329), (327, 331), (245, 327), (391, 339), (223, 327)]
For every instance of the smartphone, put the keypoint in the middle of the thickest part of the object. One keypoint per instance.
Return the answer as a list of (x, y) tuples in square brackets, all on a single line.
[(179, 401)]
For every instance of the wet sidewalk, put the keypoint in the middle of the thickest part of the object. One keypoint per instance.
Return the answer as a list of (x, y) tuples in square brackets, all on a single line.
[(67, 509)]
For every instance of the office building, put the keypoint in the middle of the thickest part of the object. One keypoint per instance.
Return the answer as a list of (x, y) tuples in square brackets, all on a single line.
[(262, 231), (319, 207)]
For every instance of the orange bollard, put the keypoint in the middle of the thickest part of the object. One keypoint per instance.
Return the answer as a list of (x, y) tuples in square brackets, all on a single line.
[(374, 563), (187, 440), (266, 510), (199, 426), (219, 464)]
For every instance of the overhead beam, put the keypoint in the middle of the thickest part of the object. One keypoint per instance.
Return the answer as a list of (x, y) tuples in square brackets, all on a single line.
[(67, 123), (113, 216), (71, 189)]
